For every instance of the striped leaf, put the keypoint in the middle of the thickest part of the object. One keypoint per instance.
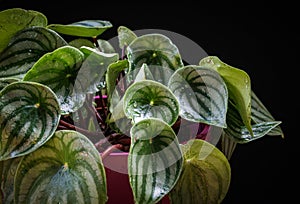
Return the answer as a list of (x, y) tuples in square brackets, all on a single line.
[(154, 161), (153, 49), (240, 133), (205, 176), (238, 85), (25, 48), (150, 99), (5, 81), (58, 70), (8, 170), (202, 95), (15, 19), (86, 28), (29, 115), (259, 114), (67, 169)]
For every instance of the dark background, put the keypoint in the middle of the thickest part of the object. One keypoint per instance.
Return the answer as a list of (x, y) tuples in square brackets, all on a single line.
[(251, 37)]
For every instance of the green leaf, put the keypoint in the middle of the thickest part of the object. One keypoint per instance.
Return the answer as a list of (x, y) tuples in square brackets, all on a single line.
[(150, 99), (113, 72), (93, 69), (205, 176), (260, 114), (125, 36), (78, 43), (202, 95), (29, 115), (240, 133), (8, 170), (154, 161), (27, 47), (105, 46), (238, 85), (86, 28), (15, 19), (67, 169), (153, 49), (58, 70), (5, 81)]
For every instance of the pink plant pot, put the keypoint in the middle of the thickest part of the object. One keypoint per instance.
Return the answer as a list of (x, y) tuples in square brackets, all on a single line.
[(118, 187)]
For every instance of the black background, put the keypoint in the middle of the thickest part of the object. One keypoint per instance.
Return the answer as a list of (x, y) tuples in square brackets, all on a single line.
[(251, 37)]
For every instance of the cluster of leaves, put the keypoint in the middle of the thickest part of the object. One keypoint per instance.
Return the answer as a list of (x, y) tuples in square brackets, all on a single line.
[(56, 96)]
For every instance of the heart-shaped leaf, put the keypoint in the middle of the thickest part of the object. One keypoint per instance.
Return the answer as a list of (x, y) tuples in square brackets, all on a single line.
[(150, 99), (67, 169), (153, 49), (25, 48), (238, 85), (154, 161), (15, 19), (205, 176), (202, 95), (29, 115), (58, 70), (87, 28)]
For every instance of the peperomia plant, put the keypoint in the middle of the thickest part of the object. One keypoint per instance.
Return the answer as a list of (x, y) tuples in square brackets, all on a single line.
[(65, 105)]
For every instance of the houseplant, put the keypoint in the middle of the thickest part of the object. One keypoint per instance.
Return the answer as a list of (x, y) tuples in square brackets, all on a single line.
[(59, 97)]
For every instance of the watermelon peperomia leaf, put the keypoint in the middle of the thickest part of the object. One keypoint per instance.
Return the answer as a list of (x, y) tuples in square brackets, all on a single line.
[(67, 169), (29, 116), (154, 161)]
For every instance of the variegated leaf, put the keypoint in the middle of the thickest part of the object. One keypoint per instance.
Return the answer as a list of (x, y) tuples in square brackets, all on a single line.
[(150, 99), (154, 161), (15, 19), (27, 47), (29, 116), (202, 95), (67, 169)]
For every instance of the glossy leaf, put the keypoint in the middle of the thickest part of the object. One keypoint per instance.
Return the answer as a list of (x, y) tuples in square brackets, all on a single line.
[(29, 116), (125, 36), (202, 95), (238, 85), (86, 28), (154, 161), (112, 74), (259, 114), (205, 176), (8, 170), (105, 46), (150, 99), (78, 43), (58, 70), (25, 48), (67, 169), (15, 19), (239, 132), (153, 49), (92, 72)]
